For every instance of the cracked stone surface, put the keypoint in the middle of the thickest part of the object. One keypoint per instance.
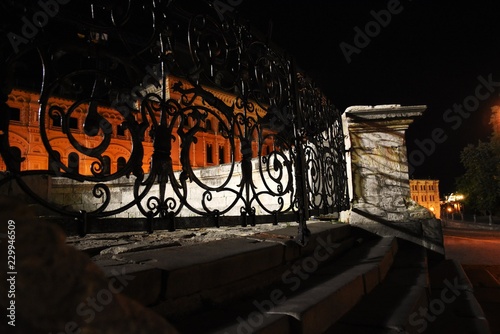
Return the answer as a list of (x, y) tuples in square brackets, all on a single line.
[(110, 245)]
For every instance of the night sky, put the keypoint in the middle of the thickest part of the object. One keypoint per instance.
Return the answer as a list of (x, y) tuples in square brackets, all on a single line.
[(434, 53)]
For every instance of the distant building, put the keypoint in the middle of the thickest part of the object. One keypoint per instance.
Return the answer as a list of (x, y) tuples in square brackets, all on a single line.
[(426, 193), (495, 120)]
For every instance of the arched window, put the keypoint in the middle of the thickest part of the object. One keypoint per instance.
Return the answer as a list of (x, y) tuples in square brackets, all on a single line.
[(208, 125), (107, 165), (16, 158), (54, 162), (121, 162), (73, 162), (220, 128), (15, 114), (210, 159), (73, 123), (222, 158), (120, 130)]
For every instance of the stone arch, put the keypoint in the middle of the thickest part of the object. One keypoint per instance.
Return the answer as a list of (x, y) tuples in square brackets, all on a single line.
[(61, 144), (18, 140), (37, 149), (116, 150)]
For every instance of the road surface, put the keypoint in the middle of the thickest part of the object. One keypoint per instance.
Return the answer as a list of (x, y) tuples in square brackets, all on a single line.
[(479, 253), (472, 247)]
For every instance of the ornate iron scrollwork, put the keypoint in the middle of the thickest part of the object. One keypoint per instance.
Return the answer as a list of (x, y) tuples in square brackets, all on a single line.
[(118, 64)]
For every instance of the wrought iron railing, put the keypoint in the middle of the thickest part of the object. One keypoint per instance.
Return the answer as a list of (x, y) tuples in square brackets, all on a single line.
[(284, 138)]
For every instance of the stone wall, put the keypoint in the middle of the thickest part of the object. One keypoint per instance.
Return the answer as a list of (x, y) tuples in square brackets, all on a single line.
[(77, 196), (381, 200)]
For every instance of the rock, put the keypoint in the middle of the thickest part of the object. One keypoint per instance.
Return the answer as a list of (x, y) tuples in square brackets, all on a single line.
[(135, 247), (417, 211)]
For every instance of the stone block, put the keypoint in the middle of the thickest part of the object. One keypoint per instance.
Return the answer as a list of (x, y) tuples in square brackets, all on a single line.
[(245, 287), (371, 277), (199, 267), (139, 282), (408, 230), (388, 307), (317, 308), (173, 308), (116, 196)]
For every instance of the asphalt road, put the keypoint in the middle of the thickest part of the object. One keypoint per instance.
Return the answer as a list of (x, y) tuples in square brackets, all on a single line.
[(479, 253), (473, 247)]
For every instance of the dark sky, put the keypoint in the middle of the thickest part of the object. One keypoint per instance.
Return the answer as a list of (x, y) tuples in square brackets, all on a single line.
[(426, 52)]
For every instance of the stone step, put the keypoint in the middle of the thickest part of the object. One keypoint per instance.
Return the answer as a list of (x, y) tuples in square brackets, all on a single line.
[(318, 307), (391, 306), (180, 280), (309, 299), (342, 281), (453, 306)]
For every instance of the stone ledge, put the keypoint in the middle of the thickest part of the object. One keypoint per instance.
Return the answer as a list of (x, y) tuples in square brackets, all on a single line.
[(414, 231), (388, 307), (194, 268), (191, 275), (462, 312), (348, 279), (310, 305), (326, 232), (316, 309)]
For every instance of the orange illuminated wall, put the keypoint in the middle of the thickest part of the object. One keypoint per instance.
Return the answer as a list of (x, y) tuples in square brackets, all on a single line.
[(24, 135), (495, 120), (426, 193)]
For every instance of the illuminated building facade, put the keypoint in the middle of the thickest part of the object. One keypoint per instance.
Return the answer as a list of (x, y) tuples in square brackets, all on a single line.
[(211, 148), (426, 193), (495, 120)]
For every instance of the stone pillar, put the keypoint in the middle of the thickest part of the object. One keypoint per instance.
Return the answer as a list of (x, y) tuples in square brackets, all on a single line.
[(380, 180)]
